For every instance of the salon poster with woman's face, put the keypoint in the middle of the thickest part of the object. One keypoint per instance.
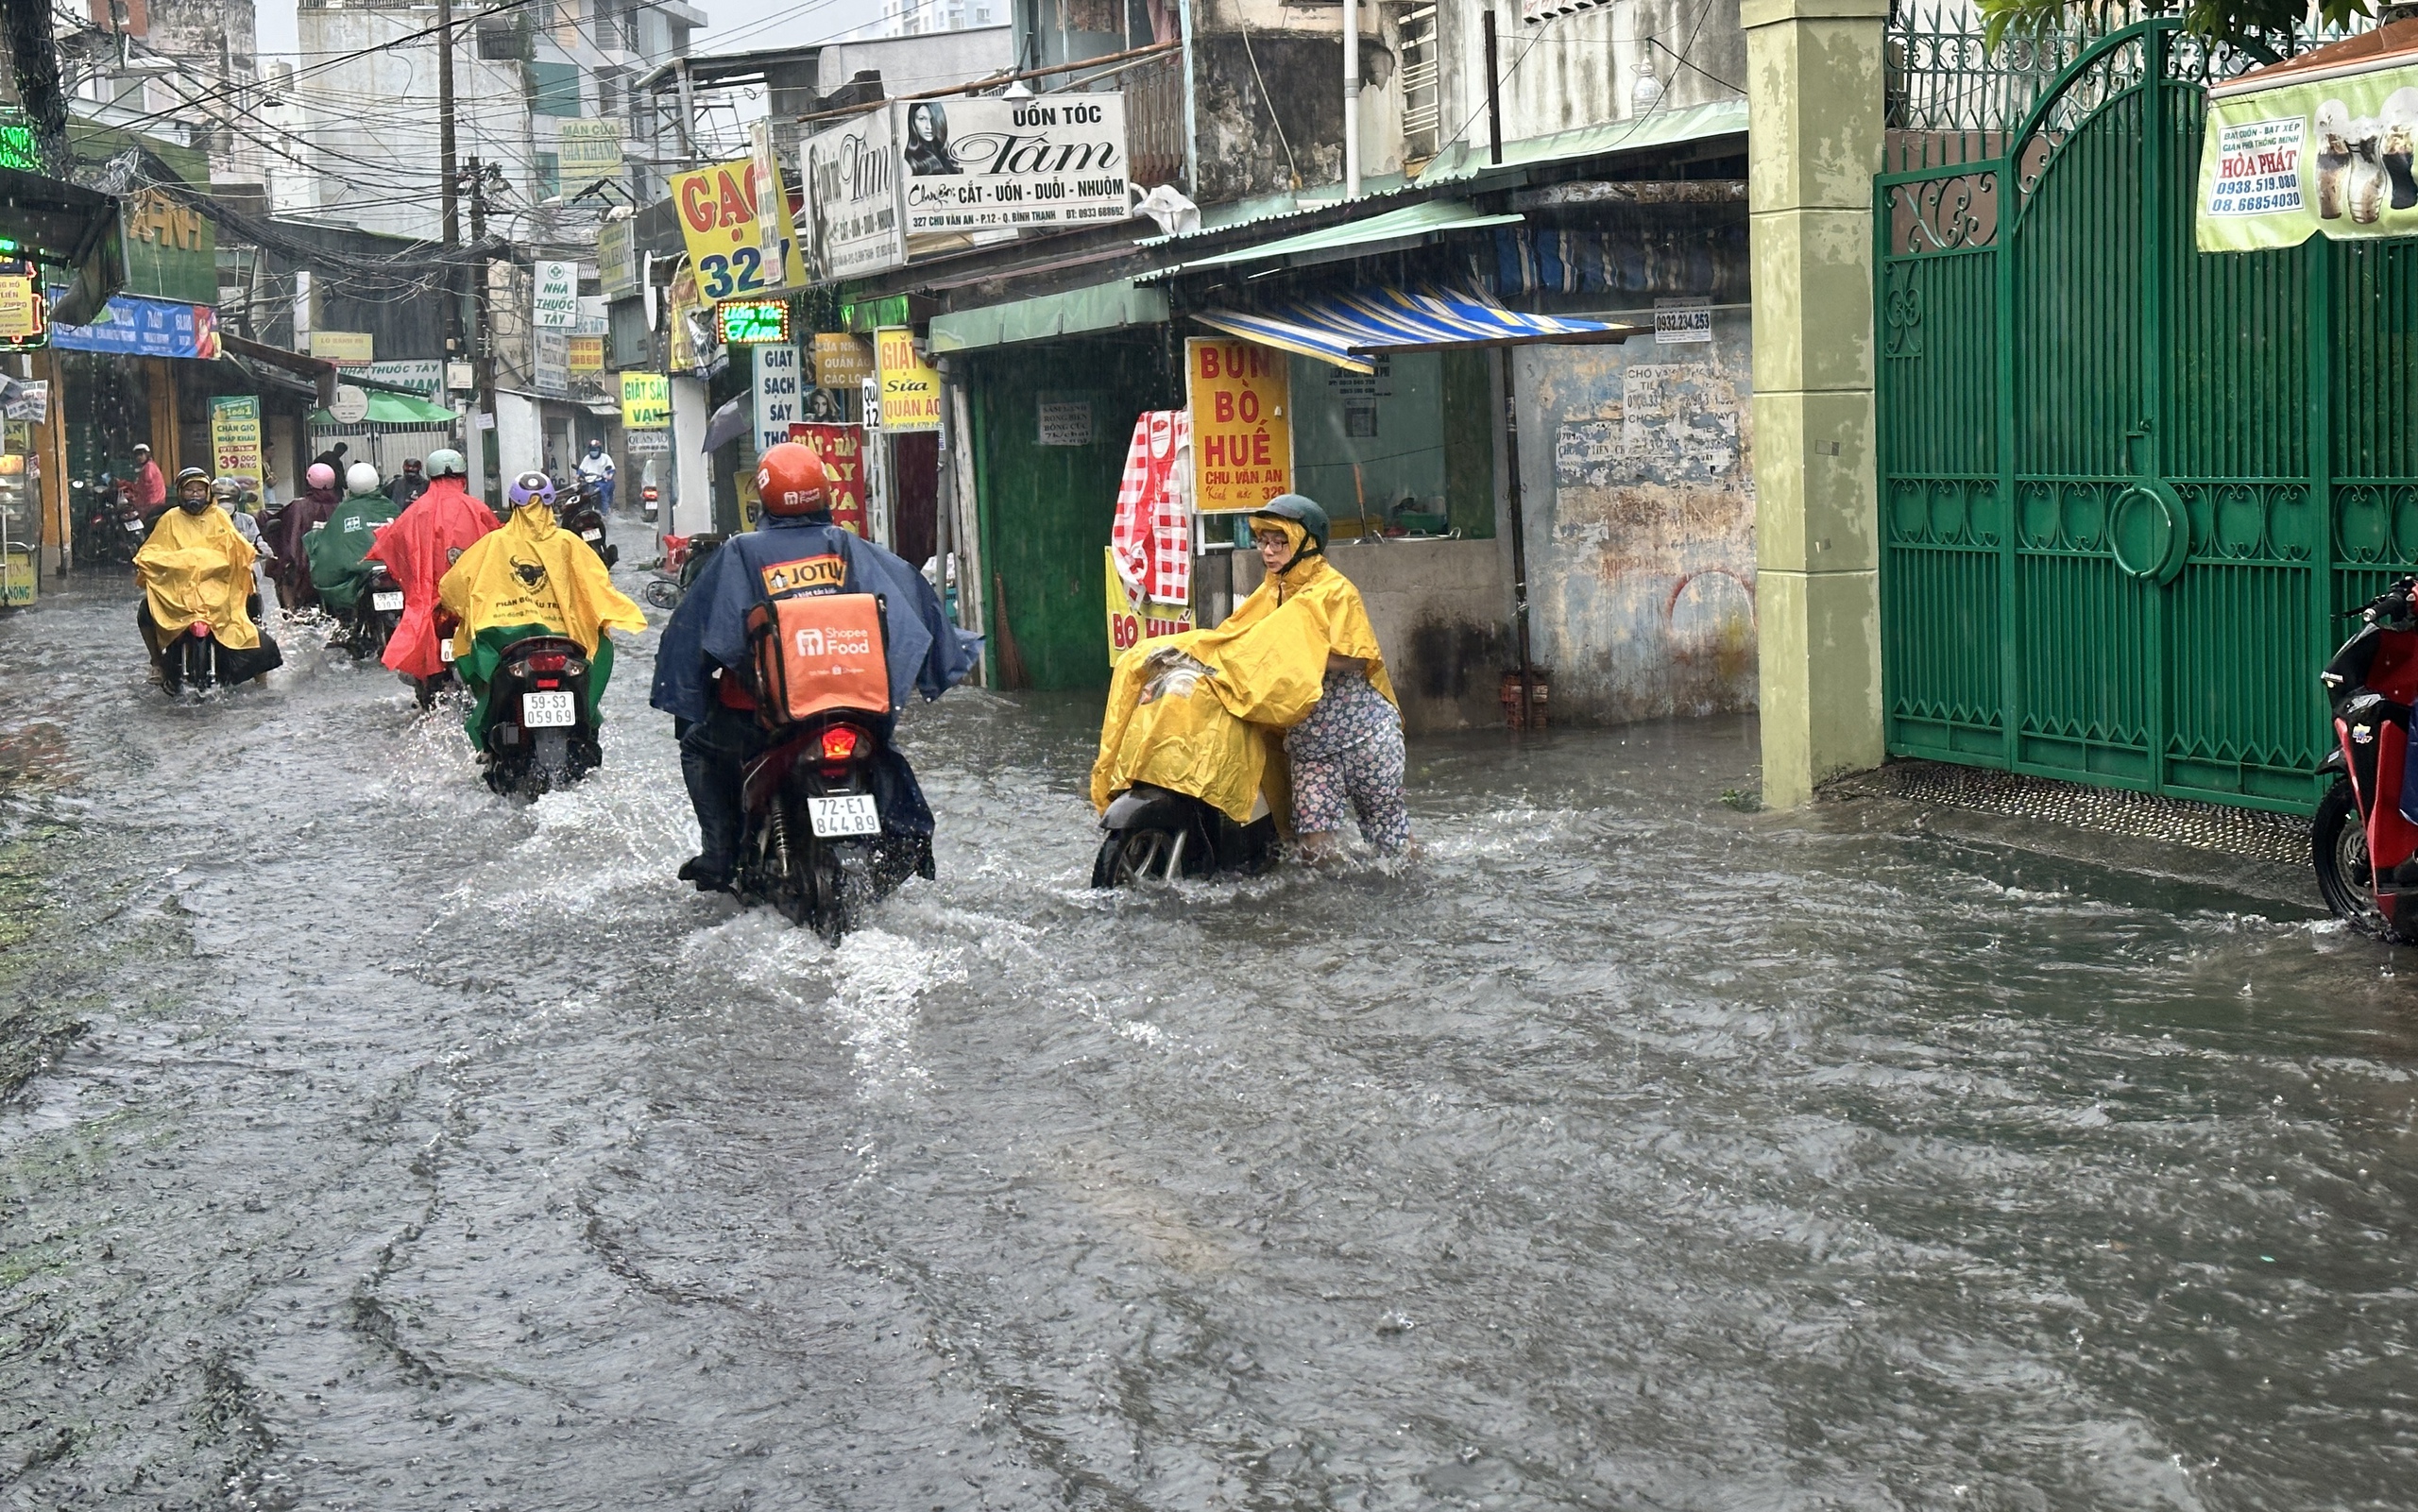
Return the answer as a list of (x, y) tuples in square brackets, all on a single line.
[(2331, 157), (991, 163)]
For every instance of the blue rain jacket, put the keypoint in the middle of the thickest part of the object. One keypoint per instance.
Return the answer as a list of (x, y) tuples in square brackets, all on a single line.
[(710, 628)]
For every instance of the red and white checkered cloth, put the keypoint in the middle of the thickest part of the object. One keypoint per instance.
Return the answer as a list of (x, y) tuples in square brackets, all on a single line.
[(1153, 536)]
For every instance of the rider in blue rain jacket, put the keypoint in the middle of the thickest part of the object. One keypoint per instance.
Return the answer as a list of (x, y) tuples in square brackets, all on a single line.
[(700, 670)]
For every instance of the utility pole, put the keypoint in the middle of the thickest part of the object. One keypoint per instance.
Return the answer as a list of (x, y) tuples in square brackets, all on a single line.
[(481, 350)]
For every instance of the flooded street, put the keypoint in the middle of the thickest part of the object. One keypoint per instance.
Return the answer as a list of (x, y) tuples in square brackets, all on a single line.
[(383, 1143)]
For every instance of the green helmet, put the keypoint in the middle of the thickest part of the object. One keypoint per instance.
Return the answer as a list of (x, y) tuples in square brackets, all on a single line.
[(1301, 511), (447, 463)]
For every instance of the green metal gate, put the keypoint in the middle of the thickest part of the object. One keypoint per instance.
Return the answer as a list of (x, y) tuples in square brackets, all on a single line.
[(2126, 487)]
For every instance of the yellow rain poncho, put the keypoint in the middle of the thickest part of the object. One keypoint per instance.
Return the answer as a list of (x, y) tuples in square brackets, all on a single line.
[(195, 566), (1223, 739), (534, 572)]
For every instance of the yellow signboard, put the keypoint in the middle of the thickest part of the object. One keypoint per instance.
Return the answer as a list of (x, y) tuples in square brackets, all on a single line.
[(586, 151), (717, 208), (840, 360), (587, 354), (646, 401), (22, 312), (346, 348), (1131, 623), (1241, 399), (911, 390), (235, 439)]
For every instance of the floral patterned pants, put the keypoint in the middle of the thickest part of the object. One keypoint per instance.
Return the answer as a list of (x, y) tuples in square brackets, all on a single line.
[(1363, 781)]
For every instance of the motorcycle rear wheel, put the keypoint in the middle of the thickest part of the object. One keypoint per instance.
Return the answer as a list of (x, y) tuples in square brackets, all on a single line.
[(2339, 849), (662, 593)]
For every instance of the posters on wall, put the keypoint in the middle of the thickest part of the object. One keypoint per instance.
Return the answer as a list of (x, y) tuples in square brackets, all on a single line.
[(1683, 321), (235, 439), (646, 401), (554, 303), (910, 390), (842, 451), (2283, 162), (28, 403), (780, 391), (852, 198), (1239, 395), (983, 163), (1066, 419), (718, 224)]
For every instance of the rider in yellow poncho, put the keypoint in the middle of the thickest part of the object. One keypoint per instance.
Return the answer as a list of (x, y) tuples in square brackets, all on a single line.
[(531, 577), (195, 570), (1288, 697)]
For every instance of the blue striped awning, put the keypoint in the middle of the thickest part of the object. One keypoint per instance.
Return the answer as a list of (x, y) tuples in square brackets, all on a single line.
[(1348, 329)]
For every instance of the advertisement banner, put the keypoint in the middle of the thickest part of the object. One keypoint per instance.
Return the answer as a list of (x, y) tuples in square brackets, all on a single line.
[(235, 439), (556, 302), (910, 390), (2287, 162), (646, 401), (586, 151), (842, 451), (30, 402), (1241, 401), (1130, 624), (717, 208), (841, 361), (549, 361), (780, 394), (587, 354), (986, 163), (772, 208), (132, 327), (690, 341), (852, 198)]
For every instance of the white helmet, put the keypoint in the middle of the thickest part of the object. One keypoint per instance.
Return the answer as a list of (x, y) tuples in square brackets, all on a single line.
[(361, 478)]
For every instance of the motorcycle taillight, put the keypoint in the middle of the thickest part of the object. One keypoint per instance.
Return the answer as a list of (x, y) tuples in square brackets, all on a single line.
[(200, 630), (840, 742), (548, 661)]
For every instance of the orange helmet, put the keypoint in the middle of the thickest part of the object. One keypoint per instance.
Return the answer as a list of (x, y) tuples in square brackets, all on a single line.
[(789, 481)]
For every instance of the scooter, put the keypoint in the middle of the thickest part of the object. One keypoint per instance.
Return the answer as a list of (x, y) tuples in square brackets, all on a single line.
[(111, 525), (812, 845), (191, 663), (2363, 843), (580, 509), (539, 736), (1159, 835)]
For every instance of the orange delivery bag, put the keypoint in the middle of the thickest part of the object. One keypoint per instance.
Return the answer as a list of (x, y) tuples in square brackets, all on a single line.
[(816, 653)]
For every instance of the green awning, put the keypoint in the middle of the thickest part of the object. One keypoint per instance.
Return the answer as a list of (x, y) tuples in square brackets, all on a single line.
[(393, 409), (1075, 313), (1655, 129), (1411, 225)]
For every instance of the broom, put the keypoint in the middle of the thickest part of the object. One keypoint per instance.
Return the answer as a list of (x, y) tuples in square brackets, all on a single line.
[(1011, 660)]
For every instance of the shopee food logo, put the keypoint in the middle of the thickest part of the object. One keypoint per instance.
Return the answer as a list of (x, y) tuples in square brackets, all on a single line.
[(813, 644)]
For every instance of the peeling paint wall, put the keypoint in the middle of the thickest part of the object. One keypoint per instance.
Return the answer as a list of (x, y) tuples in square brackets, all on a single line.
[(1268, 96), (1581, 69), (1638, 484)]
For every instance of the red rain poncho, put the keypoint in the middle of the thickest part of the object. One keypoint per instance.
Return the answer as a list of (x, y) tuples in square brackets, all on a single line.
[(418, 547)]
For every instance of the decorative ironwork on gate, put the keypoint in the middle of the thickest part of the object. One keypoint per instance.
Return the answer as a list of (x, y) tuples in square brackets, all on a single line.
[(2127, 488)]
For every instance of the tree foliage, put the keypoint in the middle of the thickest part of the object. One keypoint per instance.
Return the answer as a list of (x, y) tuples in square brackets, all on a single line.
[(2263, 28)]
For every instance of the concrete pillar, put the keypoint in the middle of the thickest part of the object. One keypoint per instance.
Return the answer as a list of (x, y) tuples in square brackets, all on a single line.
[(1814, 83)]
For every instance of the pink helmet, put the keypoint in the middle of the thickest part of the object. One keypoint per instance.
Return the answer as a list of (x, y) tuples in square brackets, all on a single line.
[(320, 476)]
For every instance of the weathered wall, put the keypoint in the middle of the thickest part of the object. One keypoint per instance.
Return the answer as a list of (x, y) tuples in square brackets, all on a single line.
[(1439, 609), (1581, 69), (1637, 476), (1269, 83)]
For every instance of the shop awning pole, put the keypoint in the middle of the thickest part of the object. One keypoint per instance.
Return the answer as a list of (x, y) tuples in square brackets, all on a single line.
[(1519, 537)]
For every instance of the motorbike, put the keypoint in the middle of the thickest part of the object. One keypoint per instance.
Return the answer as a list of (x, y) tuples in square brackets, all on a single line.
[(375, 613), (812, 845), (191, 663), (2364, 846), (650, 503), (684, 556), (580, 509), (539, 735), (111, 524), (1159, 835)]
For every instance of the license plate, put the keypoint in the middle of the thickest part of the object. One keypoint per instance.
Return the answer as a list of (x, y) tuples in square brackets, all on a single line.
[(591, 534), (134, 527), (851, 815), (385, 602), (547, 711), (445, 650)]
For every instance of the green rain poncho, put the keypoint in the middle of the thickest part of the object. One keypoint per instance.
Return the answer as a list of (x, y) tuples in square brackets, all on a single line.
[(336, 548)]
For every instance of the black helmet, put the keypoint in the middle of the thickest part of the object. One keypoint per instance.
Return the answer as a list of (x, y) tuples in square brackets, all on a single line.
[(1301, 510)]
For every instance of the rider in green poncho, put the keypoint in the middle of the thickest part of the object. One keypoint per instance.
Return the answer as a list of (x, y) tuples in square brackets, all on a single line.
[(336, 548)]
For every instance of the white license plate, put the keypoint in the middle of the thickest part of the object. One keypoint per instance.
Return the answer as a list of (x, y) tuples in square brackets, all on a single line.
[(445, 650), (384, 601), (591, 534), (547, 711), (852, 815), (134, 526)]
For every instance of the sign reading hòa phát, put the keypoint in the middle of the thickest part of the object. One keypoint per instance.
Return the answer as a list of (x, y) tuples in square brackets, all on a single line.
[(1240, 396), (2320, 146)]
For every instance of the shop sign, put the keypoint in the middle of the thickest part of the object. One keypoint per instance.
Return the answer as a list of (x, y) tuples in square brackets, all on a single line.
[(780, 392), (587, 354), (550, 358), (717, 208), (1240, 396), (424, 378), (617, 259), (646, 401), (772, 204), (754, 322), (28, 403), (910, 390), (1682, 321), (688, 351), (346, 348), (555, 305), (25, 319), (586, 151), (2288, 162), (647, 443), (1065, 420), (1129, 623), (171, 249), (852, 198), (991, 163), (842, 451), (351, 405), (133, 327), (841, 361), (235, 439)]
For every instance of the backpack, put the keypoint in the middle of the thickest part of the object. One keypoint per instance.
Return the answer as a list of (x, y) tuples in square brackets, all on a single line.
[(811, 653)]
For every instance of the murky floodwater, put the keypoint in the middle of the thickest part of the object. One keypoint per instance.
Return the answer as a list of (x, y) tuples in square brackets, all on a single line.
[(422, 1151)]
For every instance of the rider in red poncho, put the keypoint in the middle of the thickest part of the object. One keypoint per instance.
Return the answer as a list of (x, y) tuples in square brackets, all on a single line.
[(418, 545)]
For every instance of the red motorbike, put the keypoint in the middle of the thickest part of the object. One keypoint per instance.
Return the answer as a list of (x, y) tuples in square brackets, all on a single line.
[(2364, 841)]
